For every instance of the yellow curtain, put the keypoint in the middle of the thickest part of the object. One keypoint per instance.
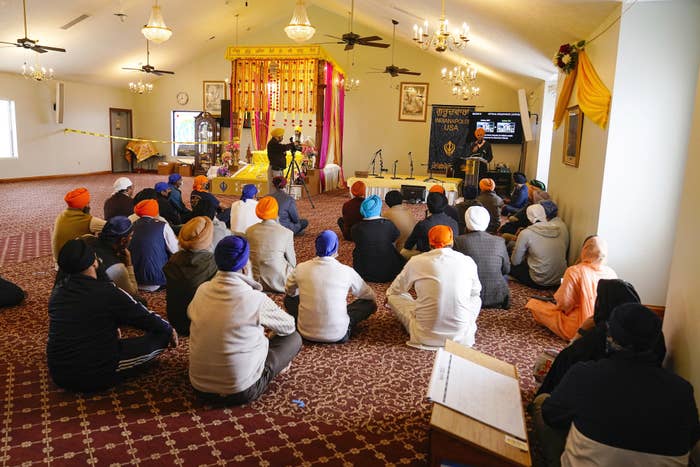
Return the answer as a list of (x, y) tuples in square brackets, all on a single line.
[(593, 96), (564, 96)]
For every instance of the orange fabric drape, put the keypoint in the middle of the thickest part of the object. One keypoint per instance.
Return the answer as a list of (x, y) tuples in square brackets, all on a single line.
[(563, 99), (593, 96)]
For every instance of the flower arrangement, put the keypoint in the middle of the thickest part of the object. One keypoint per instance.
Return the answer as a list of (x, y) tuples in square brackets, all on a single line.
[(566, 58), (223, 171)]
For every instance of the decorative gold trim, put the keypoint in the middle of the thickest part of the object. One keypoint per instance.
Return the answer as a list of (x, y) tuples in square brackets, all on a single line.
[(282, 52)]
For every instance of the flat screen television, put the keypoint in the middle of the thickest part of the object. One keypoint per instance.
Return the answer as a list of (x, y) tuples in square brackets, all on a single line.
[(500, 127)]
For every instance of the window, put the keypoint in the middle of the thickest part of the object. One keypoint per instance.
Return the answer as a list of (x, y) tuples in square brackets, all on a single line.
[(8, 129), (183, 131)]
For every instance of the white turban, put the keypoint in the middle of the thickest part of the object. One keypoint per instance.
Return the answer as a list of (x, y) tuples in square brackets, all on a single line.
[(122, 183), (536, 213), (477, 218)]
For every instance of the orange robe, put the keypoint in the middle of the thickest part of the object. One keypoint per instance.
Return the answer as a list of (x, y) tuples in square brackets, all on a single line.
[(575, 299)]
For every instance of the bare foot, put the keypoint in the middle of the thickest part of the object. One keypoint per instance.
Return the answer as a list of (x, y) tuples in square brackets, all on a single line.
[(286, 368)]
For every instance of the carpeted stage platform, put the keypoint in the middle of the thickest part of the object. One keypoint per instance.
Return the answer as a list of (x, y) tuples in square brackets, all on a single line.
[(364, 400)]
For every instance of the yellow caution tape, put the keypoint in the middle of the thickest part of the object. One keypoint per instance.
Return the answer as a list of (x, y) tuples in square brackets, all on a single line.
[(92, 133)]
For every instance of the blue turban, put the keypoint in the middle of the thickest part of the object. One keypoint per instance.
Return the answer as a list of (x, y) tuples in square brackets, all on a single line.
[(519, 177), (232, 253), (174, 178), (326, 243), (550, 208), (161, 186), (249, 191), (371, 206), (115, 228)]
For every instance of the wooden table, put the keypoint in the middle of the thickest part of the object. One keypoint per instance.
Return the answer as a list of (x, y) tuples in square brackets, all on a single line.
[(458, 438)]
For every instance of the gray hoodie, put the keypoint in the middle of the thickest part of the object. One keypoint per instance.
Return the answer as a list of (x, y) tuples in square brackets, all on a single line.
[(543, 245)]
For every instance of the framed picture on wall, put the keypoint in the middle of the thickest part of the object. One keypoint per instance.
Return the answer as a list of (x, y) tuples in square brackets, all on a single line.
[(213, 92), (572, 136), (413, 102)]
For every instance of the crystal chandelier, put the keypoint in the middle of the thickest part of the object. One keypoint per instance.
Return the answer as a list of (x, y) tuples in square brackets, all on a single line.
[(442, 39), (140, 87), (37, 73), (156, 30), (300, 29), (463, 81)]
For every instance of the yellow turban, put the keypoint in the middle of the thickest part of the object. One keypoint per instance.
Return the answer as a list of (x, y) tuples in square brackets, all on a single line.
[(276, 132), (298, 128), (440, 236), (267, 208), (487, 184)]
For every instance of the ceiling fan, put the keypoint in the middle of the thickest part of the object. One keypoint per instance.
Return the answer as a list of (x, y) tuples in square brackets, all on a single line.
[(148, 68), (392, 69), (350, 39), (27, 43)]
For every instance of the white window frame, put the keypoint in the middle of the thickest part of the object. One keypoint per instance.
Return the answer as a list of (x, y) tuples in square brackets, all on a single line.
[(12, 130), (173, 147)]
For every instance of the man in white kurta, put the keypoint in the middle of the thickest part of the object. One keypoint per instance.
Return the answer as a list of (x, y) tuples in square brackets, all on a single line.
[(231, 359), (447, 288), (317, 293), (243, 211)]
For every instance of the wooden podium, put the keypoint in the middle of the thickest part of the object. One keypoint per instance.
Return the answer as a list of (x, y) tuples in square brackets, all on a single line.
[(455, 437)]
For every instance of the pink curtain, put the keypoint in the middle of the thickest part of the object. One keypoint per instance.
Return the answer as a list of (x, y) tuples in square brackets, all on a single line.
[(333, 108)]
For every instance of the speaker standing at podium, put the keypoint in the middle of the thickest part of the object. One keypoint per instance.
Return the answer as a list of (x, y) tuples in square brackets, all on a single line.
[(481, 148)]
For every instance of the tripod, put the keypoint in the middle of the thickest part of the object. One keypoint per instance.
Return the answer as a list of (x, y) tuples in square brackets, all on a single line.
[(291, 177)]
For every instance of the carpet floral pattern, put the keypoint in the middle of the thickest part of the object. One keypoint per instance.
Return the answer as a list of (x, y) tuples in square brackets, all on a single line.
[(359, 403)]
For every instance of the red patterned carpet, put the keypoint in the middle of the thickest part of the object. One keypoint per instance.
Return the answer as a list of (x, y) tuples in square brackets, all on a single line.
[(364, 400)]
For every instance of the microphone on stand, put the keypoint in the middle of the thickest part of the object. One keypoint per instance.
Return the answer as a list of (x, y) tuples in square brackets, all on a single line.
[(395, 177), (381, 165), (410, 176)]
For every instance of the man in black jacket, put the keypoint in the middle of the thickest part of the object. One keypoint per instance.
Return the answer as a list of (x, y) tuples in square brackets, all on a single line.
[(277, 155), (166, 208), (621, 410), (85, 351)]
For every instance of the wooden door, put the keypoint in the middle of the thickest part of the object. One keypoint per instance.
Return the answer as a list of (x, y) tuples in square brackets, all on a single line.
[(120, 125)]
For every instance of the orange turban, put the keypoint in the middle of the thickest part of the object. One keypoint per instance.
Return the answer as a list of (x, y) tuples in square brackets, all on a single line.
[(78, 198), (358, 189), (440, 236), (267, 208), (437, 189), (200, 181), (479, 132), (147, 207), (487, 184)]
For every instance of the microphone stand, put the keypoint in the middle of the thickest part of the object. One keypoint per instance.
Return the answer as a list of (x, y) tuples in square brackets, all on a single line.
[(396, 162), (381, 166), (410, 177), (373, 164)]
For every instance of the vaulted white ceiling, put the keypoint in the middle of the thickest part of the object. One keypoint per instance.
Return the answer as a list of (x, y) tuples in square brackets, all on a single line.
[(512, 40)]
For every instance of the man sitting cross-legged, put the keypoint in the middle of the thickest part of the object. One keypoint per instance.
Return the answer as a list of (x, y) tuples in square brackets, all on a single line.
[(317, 293), (84, 350), (417, 242), (187, 269), (447, 288), (271, 247), (351, 209), (75, 220), (288, 214), (231, 360)]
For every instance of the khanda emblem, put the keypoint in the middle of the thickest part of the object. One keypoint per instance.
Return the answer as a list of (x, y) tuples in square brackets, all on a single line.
[(449, 148)]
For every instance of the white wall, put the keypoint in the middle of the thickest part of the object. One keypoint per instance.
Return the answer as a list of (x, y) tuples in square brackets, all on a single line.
[(647, 147), (682, 319), (42, 146), (371, 112), (577, 190)]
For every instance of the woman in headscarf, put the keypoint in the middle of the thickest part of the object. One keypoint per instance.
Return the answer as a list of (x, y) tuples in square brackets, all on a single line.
[(611, 293), (375, 257), (575, 298)]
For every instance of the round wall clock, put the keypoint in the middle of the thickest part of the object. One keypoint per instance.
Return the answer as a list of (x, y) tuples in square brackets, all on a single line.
[(182, 98)]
